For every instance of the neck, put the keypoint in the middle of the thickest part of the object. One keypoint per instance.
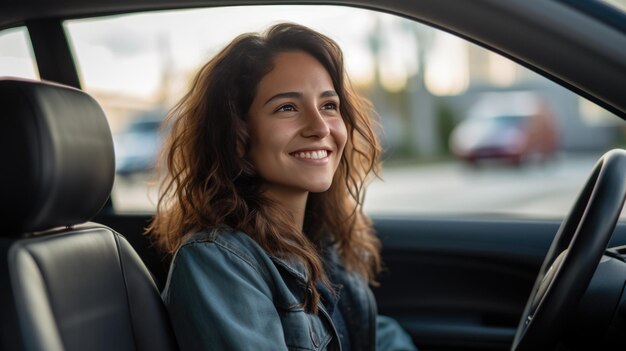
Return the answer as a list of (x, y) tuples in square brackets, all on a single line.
[(293, 201)]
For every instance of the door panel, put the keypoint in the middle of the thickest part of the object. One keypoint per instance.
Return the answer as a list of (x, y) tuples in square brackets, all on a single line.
[(461, 284)]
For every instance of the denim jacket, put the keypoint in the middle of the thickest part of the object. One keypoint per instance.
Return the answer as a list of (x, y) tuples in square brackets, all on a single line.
[(224, 292)]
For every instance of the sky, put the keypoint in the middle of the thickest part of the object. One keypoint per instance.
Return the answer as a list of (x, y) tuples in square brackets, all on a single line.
[(137, 45), (126, 54)]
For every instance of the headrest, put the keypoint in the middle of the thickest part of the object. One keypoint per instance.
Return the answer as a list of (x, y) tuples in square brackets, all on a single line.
[(57, 156)]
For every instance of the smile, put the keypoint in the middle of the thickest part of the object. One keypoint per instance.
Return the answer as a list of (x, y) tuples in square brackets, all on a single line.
[(313, 154)]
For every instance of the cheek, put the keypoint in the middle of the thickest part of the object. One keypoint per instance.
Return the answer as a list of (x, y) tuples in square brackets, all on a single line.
[(340, 132), (267, 141)]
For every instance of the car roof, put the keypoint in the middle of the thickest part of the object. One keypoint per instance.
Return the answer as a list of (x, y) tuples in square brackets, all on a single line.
[(536, 34)]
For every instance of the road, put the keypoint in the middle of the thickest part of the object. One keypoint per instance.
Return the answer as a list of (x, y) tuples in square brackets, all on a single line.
[(537, 190)]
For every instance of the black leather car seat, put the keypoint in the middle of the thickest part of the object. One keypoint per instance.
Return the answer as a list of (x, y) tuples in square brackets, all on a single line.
[(66, 284)]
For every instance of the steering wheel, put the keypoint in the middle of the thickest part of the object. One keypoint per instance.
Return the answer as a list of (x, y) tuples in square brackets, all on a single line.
[(574, 255)]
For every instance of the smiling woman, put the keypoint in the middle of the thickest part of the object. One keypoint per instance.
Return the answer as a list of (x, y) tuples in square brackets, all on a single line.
[(262, 202), (297, 136)]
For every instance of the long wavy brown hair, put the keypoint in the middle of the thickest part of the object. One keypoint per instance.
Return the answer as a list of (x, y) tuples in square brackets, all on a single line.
[(208, 183)]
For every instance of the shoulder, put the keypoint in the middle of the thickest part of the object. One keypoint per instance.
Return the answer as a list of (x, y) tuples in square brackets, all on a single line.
[(217, 259), (222, 246)]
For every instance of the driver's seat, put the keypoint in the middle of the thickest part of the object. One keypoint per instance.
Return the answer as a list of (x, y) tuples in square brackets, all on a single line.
[(66, 284)]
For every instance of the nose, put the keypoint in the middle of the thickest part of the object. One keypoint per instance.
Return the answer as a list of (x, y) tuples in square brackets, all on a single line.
[(315, 125)]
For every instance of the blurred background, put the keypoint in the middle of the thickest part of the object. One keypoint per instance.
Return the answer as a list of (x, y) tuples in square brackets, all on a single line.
[(465, 131)]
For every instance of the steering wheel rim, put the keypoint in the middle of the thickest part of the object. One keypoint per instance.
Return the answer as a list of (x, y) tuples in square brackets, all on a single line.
[(574, 254)]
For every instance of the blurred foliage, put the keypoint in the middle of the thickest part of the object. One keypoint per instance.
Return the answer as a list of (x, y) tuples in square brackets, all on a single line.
[(447, 121)]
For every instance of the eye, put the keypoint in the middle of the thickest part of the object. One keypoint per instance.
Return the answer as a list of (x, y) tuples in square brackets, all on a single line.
[(330, 106), (286, 108)]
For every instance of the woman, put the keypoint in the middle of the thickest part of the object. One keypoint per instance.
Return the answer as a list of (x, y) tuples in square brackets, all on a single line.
[(261, 203)]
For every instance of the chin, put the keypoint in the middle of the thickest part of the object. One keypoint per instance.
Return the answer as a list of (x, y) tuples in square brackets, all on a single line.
[(319, 188)]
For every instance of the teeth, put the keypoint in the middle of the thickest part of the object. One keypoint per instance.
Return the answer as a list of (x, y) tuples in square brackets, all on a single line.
[(315, 155)]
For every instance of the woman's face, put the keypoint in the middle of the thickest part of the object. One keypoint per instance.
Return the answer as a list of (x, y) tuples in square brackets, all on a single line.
[(297, 134)]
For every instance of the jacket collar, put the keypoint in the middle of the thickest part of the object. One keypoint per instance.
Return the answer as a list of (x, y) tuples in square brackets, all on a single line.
[(293, 267)]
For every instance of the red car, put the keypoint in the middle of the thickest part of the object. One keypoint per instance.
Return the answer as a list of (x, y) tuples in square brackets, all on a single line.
[(512, 126)]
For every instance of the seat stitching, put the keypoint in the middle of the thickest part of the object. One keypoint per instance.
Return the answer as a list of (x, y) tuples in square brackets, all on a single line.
[(121, 261)]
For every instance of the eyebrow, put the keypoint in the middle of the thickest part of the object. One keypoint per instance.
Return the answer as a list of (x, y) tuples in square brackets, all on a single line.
[(329, 93), (294, 94)]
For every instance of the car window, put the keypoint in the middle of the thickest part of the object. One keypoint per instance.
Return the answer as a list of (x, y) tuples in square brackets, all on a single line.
[(16, 54), (465, 130)]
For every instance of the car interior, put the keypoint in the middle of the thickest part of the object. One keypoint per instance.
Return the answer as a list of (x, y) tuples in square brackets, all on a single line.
[(79, 275)]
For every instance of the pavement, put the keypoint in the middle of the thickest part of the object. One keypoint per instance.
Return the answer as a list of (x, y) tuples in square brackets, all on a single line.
[(545, 190)]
